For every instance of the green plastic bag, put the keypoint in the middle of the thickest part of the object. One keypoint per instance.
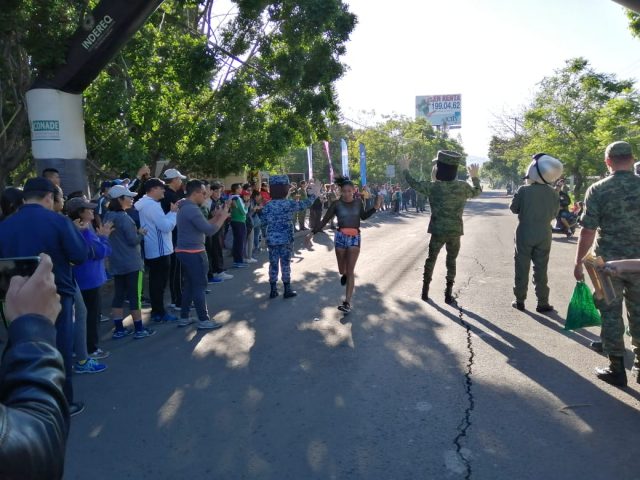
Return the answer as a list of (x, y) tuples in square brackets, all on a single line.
[(582, 311)]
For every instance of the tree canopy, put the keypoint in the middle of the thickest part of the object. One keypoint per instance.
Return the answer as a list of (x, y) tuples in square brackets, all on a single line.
[(213, 91)]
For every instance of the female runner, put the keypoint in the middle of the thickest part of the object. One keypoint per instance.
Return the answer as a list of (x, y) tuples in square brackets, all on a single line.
[(349, 212)]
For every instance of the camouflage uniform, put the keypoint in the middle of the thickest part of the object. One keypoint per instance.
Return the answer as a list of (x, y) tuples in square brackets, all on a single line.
[(301, 215), (278, 215), (612, 207), (536, 205), (447, 201)]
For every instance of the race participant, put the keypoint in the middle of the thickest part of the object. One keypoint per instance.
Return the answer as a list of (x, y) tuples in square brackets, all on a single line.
[(349, 212)]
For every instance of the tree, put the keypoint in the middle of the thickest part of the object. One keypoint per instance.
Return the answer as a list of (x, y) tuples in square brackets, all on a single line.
[(213, 93), (565, 113)]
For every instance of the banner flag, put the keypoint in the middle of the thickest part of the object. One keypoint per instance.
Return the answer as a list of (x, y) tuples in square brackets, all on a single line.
[(345, 157), (363, 165), (310, 161), (326, 150)]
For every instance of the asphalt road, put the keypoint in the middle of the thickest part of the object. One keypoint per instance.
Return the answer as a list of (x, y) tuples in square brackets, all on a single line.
[(289, 389)]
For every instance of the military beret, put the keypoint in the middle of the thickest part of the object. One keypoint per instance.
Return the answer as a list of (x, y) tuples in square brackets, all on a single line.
[(618, 150), (279, 180), (448, 157)]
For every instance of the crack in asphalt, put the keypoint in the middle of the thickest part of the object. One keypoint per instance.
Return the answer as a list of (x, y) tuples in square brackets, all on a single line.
[(466, 423)]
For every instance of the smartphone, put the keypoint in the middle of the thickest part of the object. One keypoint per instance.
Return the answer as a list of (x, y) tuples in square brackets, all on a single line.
[(10, 267)]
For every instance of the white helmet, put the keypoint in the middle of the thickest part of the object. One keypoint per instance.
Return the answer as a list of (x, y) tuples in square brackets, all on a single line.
[(544, 169)]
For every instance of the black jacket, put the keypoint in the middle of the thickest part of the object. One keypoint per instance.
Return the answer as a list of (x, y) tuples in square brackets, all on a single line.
[(34, 416)]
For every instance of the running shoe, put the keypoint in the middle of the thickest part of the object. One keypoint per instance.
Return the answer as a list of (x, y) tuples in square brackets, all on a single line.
[(240, 265), (105, 318), (183, 322), (144, 333), (215, 279), (76, 408), (166, 318), (345, 307), (208, 325), (99, 354), (250, 260), (89, 366), (225, 276), (121, 333)]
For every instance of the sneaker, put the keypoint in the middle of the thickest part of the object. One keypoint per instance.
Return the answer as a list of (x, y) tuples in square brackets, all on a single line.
[(105, 318), (76, 408), (345, 308), (121, 333), (208, 325), (225, 276), (215, 279), (250, 260), (166, 318), (99, 354), (184, 322), (90, 366), (240, 265), (144, 333)]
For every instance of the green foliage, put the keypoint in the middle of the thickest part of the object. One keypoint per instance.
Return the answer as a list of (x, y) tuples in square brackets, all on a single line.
[(575, 113), (213, 97)]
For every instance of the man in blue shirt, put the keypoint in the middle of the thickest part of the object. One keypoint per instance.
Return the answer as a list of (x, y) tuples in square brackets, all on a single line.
[(36, 229)]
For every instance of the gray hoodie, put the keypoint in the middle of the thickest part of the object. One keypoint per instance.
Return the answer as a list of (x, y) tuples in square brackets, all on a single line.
[(192, 227)]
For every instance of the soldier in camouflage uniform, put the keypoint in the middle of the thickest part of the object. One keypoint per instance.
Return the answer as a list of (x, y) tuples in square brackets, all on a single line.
[(536, 204), (447, 197), (610, 218), (278, 216)]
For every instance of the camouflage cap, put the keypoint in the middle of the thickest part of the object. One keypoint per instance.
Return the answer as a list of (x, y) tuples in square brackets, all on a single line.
[(279, 180), (618, 150), (448, 157)]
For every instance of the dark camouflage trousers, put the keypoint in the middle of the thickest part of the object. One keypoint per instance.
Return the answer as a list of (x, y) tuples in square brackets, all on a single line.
[(627, 287), (280, 258), (435, 245)]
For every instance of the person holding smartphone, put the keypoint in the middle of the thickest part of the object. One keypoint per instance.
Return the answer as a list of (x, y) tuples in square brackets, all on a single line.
[(56, 236), (34, 414), (193, 228)]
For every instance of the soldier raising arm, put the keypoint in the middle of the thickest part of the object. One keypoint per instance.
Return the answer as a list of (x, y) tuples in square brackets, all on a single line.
[(447, 197)]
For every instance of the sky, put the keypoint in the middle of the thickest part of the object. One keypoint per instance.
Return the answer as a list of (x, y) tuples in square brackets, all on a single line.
[(493, 52)]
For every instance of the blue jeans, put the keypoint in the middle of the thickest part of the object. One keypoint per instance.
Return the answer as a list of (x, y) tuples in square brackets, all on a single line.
[(195, 267), (64, 342), (239, 240)]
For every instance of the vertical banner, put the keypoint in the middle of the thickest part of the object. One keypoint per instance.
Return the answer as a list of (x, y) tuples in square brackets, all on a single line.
[(363, 165), (345, 157), (310, 161), (326, 149)]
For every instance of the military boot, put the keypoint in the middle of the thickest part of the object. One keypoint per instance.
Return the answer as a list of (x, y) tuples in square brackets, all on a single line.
[(448, 293), (288, 292), (425, 291), (615, 373), (274, 290)]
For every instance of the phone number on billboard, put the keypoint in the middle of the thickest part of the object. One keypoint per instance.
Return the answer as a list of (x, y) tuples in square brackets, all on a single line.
[(445, 105)]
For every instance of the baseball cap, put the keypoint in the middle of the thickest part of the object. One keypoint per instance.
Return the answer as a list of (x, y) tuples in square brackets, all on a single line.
[(172, 173), (39, 184), (618, 150), (118, 191), (78, 203)]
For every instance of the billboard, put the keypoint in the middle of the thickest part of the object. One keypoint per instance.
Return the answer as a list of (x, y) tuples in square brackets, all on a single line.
[(440, 109)]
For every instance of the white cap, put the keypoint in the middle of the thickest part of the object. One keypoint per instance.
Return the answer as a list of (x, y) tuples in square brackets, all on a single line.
[(172, 173), (118, 191)]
